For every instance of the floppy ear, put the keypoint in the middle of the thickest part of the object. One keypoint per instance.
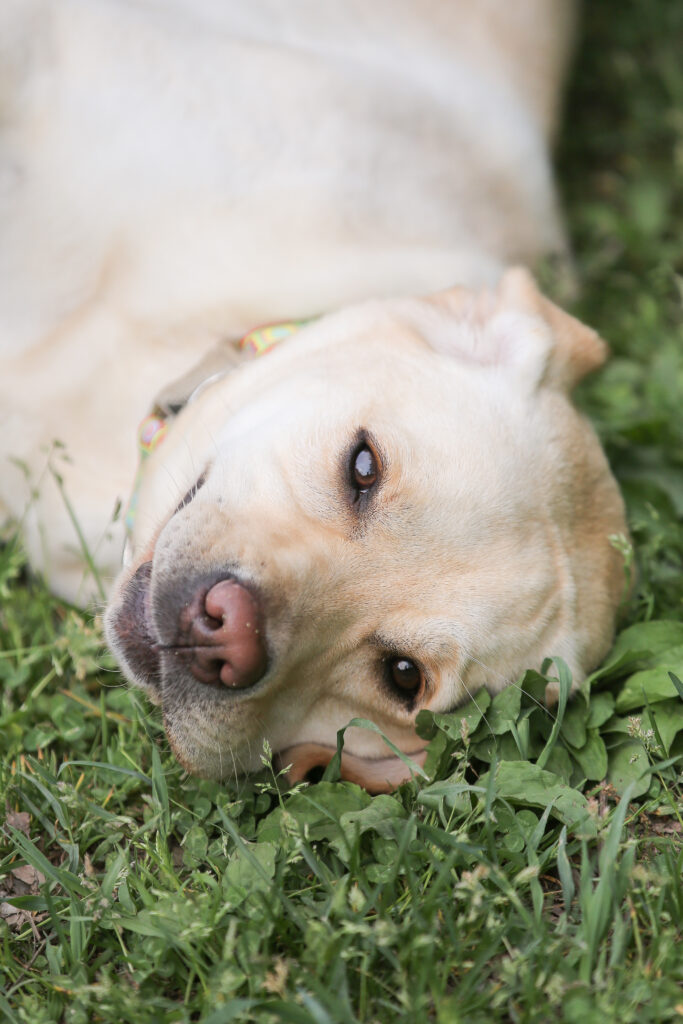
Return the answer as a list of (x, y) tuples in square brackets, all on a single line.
[(576, 349), (515, 326)]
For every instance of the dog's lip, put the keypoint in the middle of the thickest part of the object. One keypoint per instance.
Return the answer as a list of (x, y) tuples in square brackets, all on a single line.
[(376, 774), (132, 630)]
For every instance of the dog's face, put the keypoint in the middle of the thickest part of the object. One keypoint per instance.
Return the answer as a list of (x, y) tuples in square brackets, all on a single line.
[(395, 507)]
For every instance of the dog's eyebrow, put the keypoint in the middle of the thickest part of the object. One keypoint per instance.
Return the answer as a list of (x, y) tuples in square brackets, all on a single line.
[(437, 640)]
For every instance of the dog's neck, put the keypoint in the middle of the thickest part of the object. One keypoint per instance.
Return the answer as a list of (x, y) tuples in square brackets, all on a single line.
[(219, 362)]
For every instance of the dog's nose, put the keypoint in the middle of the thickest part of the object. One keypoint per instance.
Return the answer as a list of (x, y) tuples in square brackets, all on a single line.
[(221, 631)]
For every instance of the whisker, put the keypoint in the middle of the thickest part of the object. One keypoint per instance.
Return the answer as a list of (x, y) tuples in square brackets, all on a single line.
[(516, 685), (472, 697)]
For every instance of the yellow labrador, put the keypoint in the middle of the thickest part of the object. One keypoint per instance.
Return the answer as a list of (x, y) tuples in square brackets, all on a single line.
[(397, 504)]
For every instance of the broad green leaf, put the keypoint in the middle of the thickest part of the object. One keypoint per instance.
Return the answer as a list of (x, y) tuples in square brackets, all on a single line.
[(250, 870), (382, 816), (195, 844), (451, 723), (600, 709), (616, 724), (437, 753), (527, 821), (665, 717), (504, 710), (644, 642), (484, 749), (533, 685), (513, 841), (385, 815), (234, 1009), (678, 683), (316, 810), (449, 794), (592, 756), (523, 783), (503, 747), (559, 763), (668, 715), (38, 738), (627, 762), (447, 790), (573, 728), (144, 924), (386, 857), (657, 637), (649, 686)]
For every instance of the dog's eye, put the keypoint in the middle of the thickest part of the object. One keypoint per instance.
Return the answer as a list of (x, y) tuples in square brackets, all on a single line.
[(364, 468), (405, 677), (191, 493)]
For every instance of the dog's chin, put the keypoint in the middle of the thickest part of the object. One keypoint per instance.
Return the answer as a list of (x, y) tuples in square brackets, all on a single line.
[(130, 633)]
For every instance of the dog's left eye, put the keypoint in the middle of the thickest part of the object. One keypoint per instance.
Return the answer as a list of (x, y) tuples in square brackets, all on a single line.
[(404, 677), (364, 468), (191, 493)]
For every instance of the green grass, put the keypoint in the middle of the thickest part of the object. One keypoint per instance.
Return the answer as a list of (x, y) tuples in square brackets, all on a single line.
[(537, 875)]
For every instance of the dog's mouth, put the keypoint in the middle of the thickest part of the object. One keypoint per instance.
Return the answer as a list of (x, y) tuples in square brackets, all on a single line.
[(308, 762), (131, 632)]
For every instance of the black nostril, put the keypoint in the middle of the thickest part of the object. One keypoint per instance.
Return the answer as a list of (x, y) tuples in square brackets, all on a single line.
[(212, 623), (315, 774), (206, 667)]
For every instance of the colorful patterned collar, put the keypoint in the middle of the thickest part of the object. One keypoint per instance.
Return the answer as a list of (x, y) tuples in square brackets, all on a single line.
[(155, 426)]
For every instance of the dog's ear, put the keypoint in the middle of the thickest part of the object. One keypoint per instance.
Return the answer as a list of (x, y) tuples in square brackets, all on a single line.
[(576, 350), (515, 326)]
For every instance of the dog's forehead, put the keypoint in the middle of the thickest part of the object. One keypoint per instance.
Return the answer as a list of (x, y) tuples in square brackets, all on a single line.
[(461, 444), (371, 369)]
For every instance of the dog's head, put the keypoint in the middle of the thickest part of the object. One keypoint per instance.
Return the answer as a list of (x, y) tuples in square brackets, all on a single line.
[(393, 508)]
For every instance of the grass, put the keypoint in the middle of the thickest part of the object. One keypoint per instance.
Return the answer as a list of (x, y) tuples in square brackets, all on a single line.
[(536, 875)]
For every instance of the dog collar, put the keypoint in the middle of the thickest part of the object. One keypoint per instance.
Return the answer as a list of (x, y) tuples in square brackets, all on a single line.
[(155, 425)]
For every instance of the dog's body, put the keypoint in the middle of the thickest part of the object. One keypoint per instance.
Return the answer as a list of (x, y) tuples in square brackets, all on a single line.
[(177, 172)]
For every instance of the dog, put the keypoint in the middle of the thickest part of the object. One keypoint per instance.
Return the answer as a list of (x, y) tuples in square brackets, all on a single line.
[(383, 499)]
